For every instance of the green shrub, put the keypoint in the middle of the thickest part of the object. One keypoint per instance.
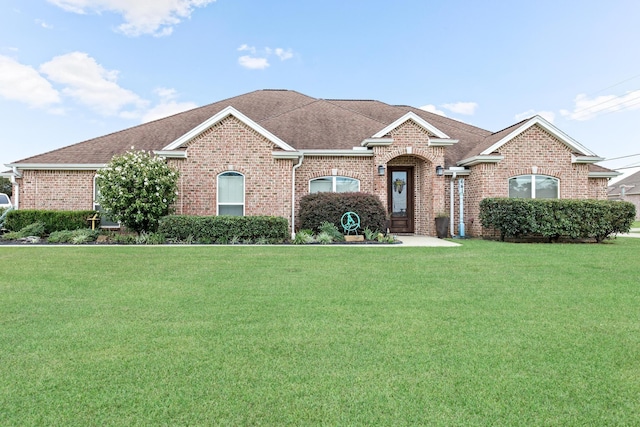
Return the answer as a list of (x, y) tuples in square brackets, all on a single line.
[(150, 238), (332, 231), (317, 208), (52, 220), (137, 189), (75, 237), (556, 218), (304, 237), (35, 229), (224, 229)]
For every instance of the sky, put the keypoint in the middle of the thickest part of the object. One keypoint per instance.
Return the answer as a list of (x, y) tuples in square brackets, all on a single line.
[(71, 70)]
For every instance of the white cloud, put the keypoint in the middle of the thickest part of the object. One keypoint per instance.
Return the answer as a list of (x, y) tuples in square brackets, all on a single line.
[(466, 108), (262, 61), (43, 24), (23, 83), (156, 17), (283, 54), (550, 116), (586, 108), (247, 48), (253, 63), (88, 83), (433, 109), (167, 106)]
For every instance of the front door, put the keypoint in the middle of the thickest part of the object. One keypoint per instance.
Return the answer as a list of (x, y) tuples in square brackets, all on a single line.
[(400, 197)]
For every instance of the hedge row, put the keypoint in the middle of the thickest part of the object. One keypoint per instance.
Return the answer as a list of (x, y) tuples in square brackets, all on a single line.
[(320, 207), (52, 220), (553, 219), (224, 229)]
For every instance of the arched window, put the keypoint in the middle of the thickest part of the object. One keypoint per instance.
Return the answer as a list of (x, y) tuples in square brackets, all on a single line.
[(534, 187), (334, 184), (231, 194)]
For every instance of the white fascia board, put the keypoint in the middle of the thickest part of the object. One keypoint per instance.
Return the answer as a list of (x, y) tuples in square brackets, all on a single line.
[(171, 154), (337, 153), (376, 142), (58, 166), (284, 155), (229, 111), (611, 174), (537, 120), (418, 120), (442, 142), (586, 159), (476, 160), (457, 171)]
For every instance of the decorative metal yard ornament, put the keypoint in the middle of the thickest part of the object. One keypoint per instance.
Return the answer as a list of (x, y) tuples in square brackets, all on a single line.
[(350, 221)]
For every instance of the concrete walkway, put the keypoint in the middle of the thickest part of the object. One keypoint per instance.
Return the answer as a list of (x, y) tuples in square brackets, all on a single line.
[(416, 240), (635, 232)]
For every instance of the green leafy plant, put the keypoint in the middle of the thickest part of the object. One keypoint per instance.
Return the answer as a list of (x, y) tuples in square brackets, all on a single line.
[(324, 238), (73, 236), (370, 234), (332, 231), (52, 220), (150, 238), (137, 189), (304, 237)]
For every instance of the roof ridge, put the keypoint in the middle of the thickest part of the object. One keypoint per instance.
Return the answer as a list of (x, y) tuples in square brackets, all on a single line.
[(314, 100), (330, 101)]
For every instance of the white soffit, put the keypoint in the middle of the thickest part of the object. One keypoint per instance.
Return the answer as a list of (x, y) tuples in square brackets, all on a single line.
[(537, 120), (418, 120), (229, 111), (58, 166)]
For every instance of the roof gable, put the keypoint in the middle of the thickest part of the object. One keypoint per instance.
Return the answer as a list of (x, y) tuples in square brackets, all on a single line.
[(216, 118), (518, 129), (417, 120)]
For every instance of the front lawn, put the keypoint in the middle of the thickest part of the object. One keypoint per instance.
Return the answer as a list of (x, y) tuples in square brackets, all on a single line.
[(484, 334)]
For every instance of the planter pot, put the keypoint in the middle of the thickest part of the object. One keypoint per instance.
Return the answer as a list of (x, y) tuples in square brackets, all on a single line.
[(442, 227)]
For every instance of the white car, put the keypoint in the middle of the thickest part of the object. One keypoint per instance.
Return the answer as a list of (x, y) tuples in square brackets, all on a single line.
[(5, 201)]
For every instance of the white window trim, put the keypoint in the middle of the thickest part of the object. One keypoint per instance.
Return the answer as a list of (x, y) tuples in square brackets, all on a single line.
[(244, 180), (533, 183), (333, 181)]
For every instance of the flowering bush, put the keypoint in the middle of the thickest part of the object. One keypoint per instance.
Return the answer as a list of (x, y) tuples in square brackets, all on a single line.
[(136, 189)]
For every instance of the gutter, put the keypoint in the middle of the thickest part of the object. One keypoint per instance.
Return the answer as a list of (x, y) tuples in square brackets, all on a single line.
[(16, 188)]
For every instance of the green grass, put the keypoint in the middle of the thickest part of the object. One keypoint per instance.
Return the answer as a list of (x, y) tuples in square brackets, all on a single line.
[(484, 334), (636, 224)]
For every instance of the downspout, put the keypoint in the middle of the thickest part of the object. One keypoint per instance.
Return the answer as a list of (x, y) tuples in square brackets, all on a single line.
[(293, 196), (451, 207), (461, 223)]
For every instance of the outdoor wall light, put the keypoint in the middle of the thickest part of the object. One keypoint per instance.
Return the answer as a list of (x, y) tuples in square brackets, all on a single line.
[(381, 170), (439, 170)]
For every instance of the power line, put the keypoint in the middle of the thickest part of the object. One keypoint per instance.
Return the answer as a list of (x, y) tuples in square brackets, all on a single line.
[(615, 84), (621, 157), (609, 100)]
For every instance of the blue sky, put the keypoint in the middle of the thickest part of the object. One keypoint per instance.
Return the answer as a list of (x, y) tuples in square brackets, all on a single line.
[(71, 70)]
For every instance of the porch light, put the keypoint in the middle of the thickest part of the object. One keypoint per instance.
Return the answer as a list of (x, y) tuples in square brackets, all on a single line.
[(381, 170), (439, 170)]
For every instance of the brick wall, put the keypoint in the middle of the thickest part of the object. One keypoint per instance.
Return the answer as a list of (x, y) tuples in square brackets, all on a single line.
[(533, 150), (230, 145), (56, 190), (411, 148)]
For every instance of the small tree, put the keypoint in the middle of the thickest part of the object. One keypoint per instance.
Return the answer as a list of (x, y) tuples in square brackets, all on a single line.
[(137, 189)]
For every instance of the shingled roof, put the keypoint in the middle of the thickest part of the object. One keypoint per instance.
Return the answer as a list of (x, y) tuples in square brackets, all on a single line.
[(631, 184), (301, 121)]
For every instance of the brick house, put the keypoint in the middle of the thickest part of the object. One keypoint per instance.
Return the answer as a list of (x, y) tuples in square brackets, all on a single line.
[(259, 153), (627, 189)]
